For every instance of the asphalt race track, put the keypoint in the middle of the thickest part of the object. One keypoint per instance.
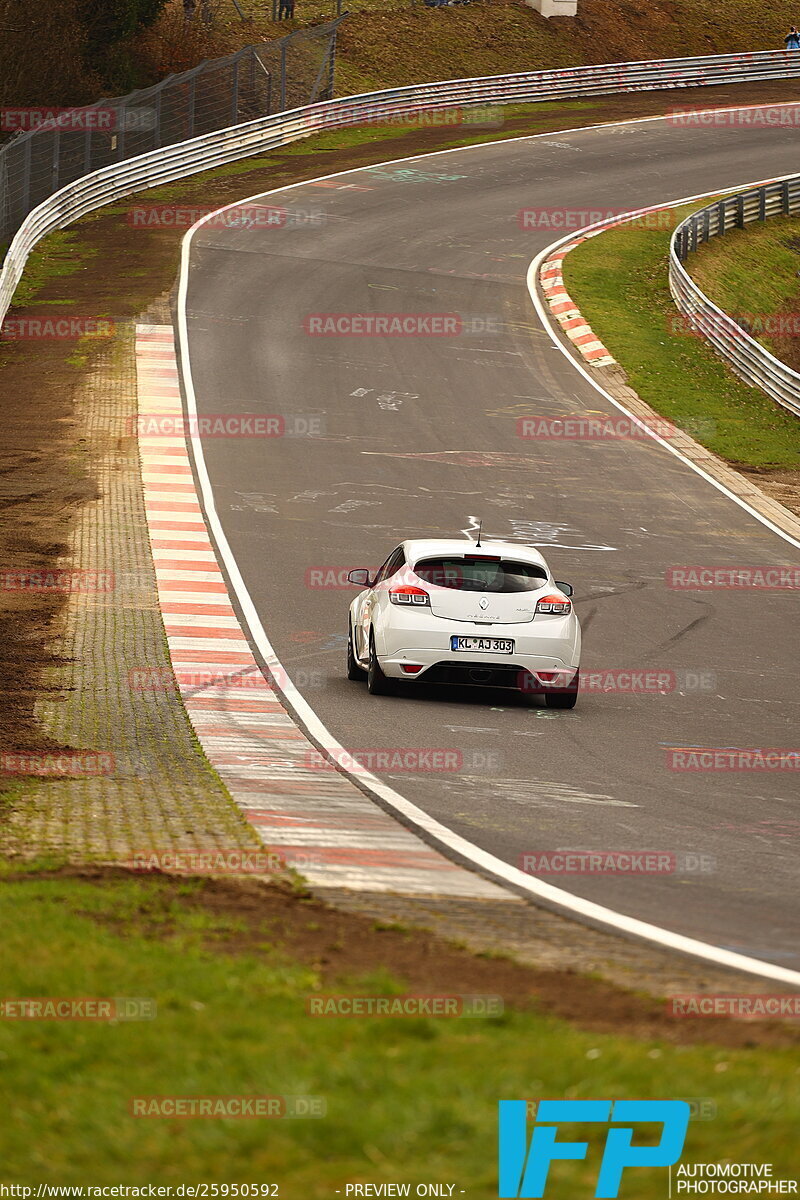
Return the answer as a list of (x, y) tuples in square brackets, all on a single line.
[(419, 438)]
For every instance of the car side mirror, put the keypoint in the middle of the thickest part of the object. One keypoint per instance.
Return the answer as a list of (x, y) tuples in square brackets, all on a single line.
[(360, 577), (566, 588)]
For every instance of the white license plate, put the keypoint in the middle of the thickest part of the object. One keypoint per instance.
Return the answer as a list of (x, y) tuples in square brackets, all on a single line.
[(483, 645)]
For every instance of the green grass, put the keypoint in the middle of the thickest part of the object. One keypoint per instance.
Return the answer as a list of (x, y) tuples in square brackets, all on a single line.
[(619, 281), (753, 271), (60, 253), (407, 1099)]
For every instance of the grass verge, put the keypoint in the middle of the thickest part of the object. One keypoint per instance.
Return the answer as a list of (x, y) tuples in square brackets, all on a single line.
[(753, 273), (619, 282), (407, 1099)]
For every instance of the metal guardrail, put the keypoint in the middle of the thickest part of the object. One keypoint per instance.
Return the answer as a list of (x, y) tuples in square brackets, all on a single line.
[(178, 161), (730, 337)]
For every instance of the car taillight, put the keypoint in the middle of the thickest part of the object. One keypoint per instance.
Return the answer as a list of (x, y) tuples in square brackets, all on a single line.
[(410, 595), (556, 605)]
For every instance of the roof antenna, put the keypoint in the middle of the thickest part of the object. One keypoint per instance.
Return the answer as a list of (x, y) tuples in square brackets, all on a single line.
[(480, 526)]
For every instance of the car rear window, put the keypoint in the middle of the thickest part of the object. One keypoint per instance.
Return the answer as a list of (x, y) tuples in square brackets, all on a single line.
[(481, 574)]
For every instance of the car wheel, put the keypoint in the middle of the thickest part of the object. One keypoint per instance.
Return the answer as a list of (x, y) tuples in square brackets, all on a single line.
[(377, 683), (354, 671), (563, 697)]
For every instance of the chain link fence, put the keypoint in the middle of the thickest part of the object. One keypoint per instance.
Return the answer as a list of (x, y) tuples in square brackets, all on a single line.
[(69, 143), (321, 10)]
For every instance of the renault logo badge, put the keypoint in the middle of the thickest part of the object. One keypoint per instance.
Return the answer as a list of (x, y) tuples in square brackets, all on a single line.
[(484, 602)]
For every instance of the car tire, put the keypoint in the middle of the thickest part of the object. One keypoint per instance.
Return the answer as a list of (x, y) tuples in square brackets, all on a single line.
[(563, 697), (377, 682), (354, 671)]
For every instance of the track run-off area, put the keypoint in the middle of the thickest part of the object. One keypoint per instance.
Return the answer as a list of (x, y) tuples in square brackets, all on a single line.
[(418, 436)]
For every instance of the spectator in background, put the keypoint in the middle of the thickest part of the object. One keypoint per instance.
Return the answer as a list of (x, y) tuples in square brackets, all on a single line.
[(285, 9), (792, 39)]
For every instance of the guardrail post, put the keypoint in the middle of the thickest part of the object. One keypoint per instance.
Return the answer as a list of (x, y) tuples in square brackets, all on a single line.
[(762, 204), (26, 178), (252, 80), (56, 159), (5, 199), (157, 121), (192, 95), (785, 193), (721, 218), (793, 195), (121, 122), (679, 250), (706, 224), (235, 94), (330, 89), (740, 211)]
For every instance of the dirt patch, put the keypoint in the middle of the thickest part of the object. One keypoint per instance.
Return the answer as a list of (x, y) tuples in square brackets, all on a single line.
[(269, 919), (783, 486), (41, 485)]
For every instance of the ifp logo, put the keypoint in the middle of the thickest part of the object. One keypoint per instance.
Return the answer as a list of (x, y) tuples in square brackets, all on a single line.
[(524, 1170)]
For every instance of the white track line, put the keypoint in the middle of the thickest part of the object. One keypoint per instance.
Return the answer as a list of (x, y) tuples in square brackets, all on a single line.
[(411, 814)]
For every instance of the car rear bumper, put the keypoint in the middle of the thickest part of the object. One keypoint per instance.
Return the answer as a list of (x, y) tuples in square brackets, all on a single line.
[(548, 646), (492, 675), (521, 672)]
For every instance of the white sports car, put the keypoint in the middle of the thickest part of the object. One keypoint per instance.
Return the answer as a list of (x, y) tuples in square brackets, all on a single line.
[(480, 613)]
